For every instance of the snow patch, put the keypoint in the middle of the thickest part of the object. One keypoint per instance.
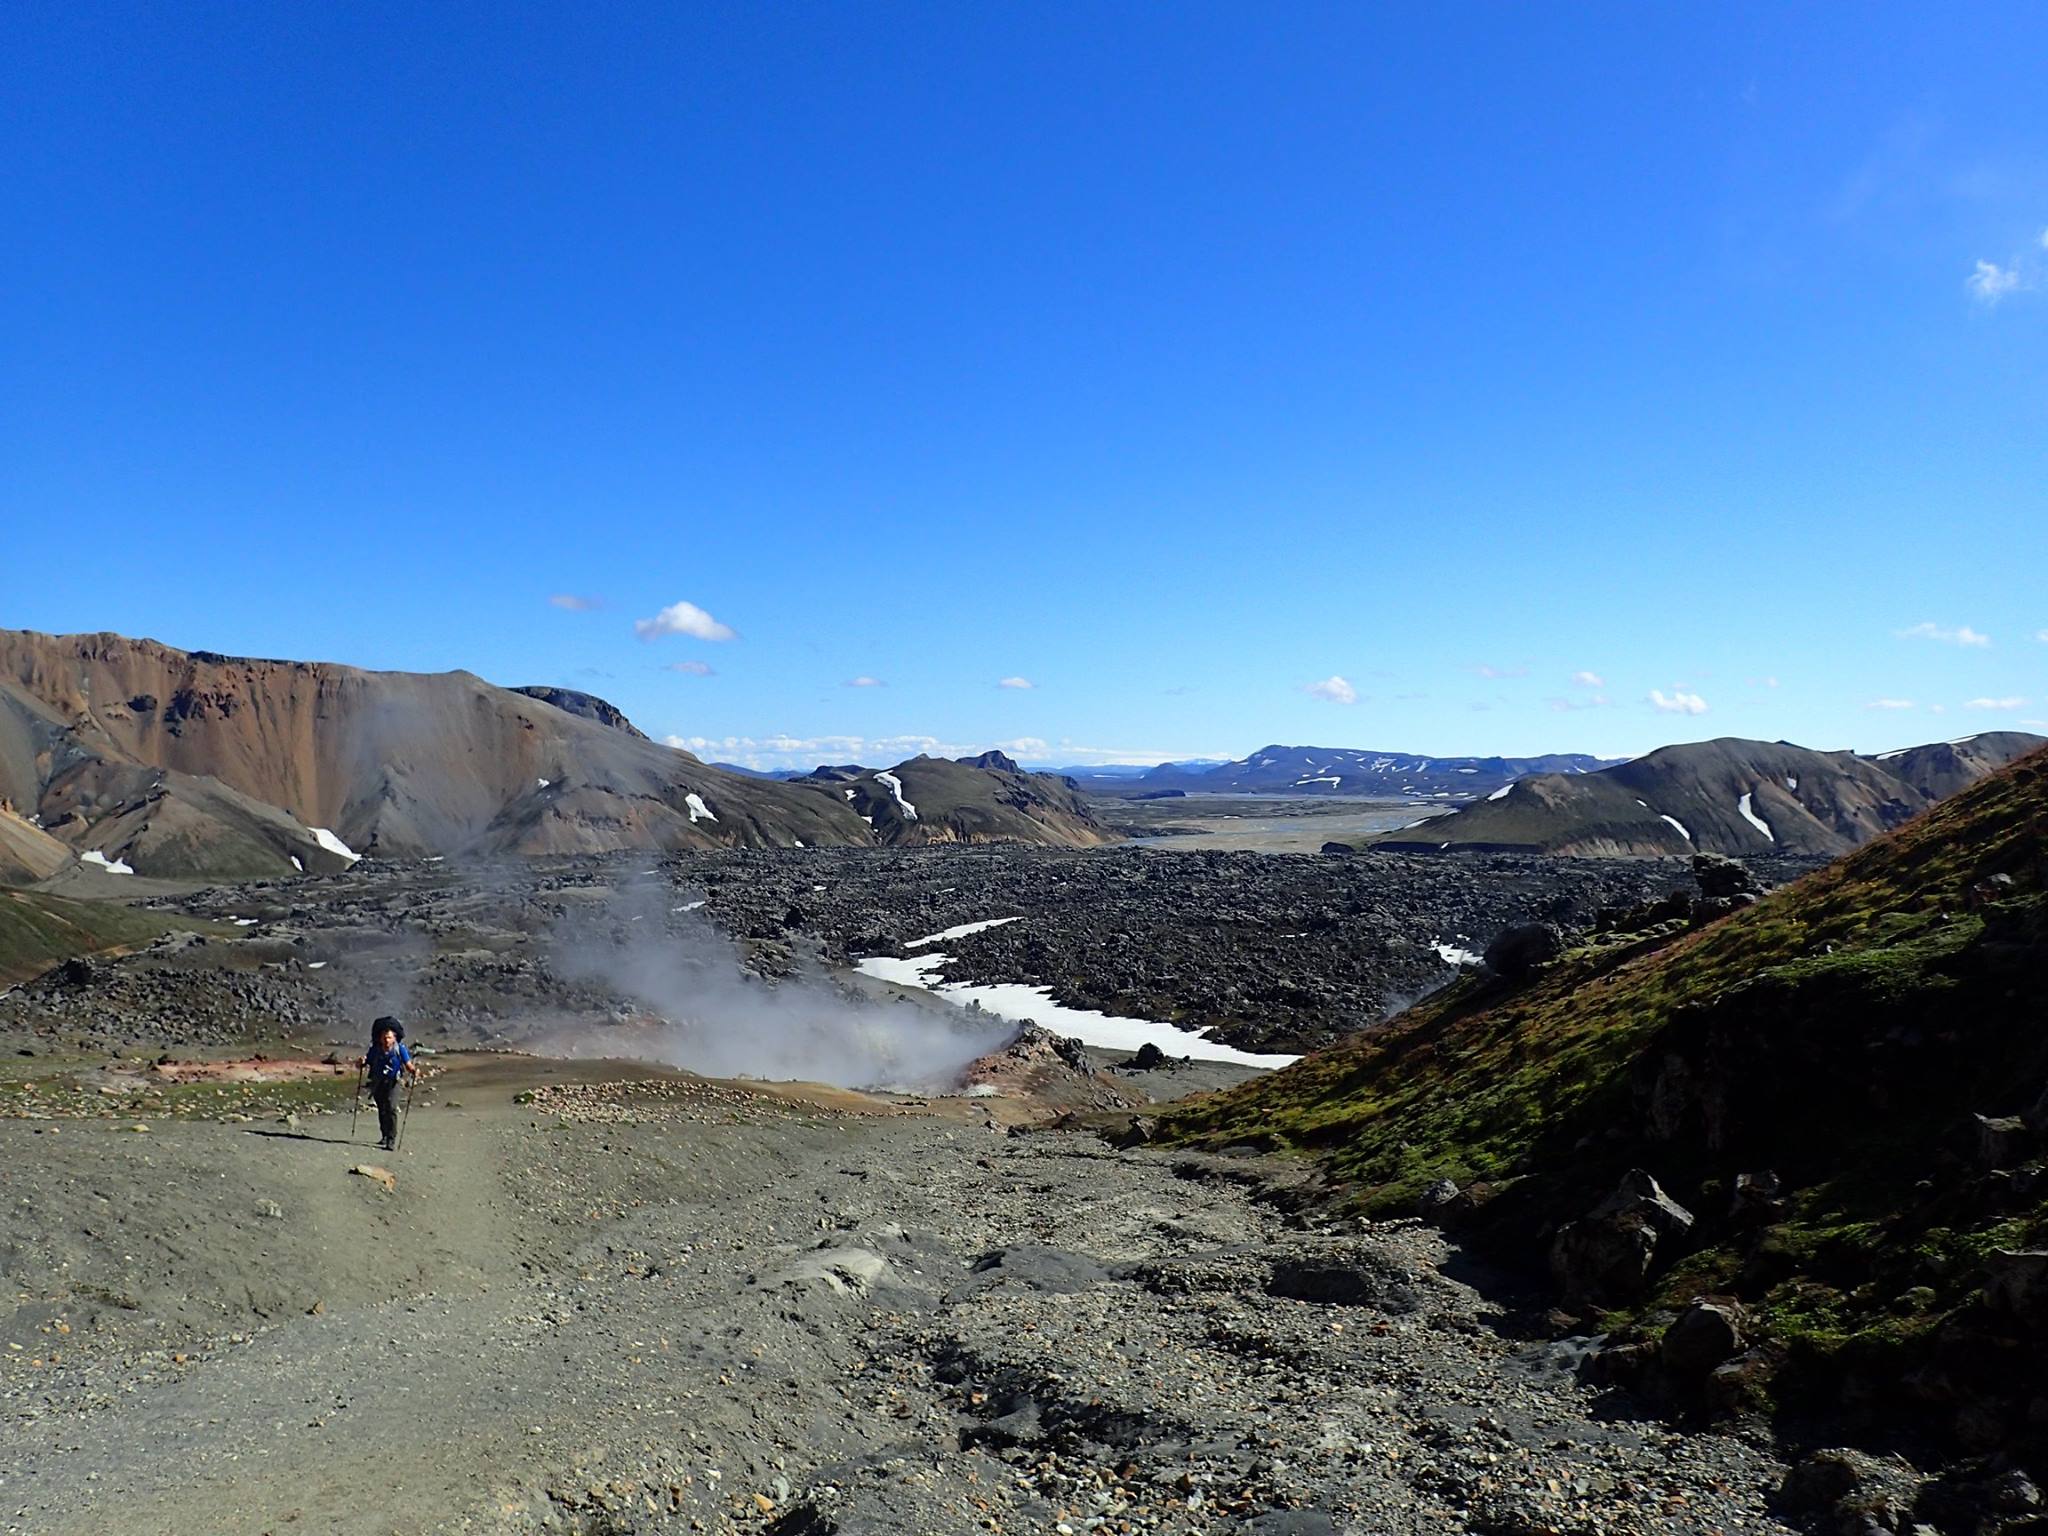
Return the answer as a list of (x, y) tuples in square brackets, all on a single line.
[(295, 863), (1749, 815), (699, 811), (1501, 793), (894, 785), (111, 866), (1338, 779), (689, 906), (1451, 954), (334, 845), (961, 931), (543, 783), (1680, 825), (1034, 1004)]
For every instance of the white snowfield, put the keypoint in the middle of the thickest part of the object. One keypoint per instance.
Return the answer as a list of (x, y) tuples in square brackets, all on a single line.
[(334, 845), (894, 785), (295, 863), (1792, 781), (111, 866), (699, 811), (1023, 1004), (960, 932), (1680, 825), (1453, 954), (1333, 779), (1749, 815), (1501, 793), (543, 783)]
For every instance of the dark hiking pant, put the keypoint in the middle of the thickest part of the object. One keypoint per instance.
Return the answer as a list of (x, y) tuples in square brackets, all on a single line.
[(386, 1095)]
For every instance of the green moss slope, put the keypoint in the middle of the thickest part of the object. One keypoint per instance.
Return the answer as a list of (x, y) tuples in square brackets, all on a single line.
[(1843, 1034)]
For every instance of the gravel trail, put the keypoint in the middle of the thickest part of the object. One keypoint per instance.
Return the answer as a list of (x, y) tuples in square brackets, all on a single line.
[(666, 1305)]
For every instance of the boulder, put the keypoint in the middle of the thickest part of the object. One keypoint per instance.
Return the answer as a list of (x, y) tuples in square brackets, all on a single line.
[(1338, 848), (2016, 1285), (1436, 1196), (1757, 1198), (1705, 1334), (1608, 1254), (1840, 1492), (2002, 1140), (1721, 878), (1517, 953)]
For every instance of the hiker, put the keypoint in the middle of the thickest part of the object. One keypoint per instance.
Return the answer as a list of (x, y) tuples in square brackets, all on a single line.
[(386, 1061)]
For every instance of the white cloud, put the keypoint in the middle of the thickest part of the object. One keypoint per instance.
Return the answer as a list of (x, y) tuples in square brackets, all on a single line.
[(1565, 706), (1017, 682), (1990, 282), (1589, 679), (1961, 635), (1333, 688), (864, 681), (576, 603), (2044, 239), (1889, 704), (682, 619), (1937, 709), (691, 668), (2041, 635), (1997, 704), (1487, 671), (1678, 702)]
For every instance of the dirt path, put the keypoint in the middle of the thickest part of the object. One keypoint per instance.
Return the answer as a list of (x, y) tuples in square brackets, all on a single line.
[(686, 1308)]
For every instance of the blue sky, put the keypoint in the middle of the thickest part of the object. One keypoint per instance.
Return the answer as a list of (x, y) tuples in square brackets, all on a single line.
[(1449, 379)]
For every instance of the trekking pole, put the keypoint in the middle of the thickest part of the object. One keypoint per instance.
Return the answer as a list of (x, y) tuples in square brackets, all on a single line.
[(355, 1104), (405, 1114)]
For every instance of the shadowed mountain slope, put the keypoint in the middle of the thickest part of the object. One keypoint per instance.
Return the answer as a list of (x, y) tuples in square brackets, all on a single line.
[(1728, 796)]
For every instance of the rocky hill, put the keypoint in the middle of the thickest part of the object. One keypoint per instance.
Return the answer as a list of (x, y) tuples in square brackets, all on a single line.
[(1342, 771), (983, 799), (1791, 1160), (1728, 796), (139, 757)]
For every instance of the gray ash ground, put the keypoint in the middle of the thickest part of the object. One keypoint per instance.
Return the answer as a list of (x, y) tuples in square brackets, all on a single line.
[(1267, 952), (693, 1308)]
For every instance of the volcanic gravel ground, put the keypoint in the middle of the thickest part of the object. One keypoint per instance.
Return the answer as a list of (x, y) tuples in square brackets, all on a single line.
[(634, 1310), (1270, 952)]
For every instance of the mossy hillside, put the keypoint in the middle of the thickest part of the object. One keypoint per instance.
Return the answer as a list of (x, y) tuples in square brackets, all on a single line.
[(1841, 1033), (38, 931)]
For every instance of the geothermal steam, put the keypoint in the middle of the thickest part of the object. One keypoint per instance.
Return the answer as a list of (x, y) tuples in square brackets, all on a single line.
[(713, 1016)]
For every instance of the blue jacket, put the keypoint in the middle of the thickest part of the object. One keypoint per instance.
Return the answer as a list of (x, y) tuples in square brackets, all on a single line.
[(386, 1065)]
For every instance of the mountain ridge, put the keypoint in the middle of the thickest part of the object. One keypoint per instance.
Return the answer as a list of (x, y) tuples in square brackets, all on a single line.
[(199, 763), (1728, 795)]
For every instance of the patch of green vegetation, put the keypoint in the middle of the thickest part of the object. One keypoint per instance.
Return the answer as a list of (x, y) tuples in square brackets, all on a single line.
[(38, 931), (1840, 1033)]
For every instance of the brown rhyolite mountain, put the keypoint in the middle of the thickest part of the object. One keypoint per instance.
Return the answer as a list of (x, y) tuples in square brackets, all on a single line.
[(181, 763)]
